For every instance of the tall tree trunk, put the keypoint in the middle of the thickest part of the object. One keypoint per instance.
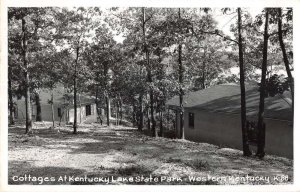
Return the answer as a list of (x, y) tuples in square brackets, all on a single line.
[(96, 101), (10, 95), (141, 115), (261, 127), (108, 112), (75, 93), (27, 90), (52, 110), (161, 122), (180, 84), (80, 110), (107, 96), (121, 110), (148, 119), (153, 127), (285, 58), (149, 75), (38, 107), (246, 149), (203, 70)]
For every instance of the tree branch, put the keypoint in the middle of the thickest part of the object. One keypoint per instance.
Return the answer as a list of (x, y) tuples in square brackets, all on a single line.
[(122, 18), (213, 33)]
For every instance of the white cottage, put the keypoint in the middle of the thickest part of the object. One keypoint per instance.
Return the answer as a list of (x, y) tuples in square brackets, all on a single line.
[(63, 109)]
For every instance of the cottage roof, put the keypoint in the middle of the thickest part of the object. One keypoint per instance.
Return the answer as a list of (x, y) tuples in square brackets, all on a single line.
[(226, 98)]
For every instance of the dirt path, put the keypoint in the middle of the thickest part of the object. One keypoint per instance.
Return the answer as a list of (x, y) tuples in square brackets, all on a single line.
[(121, 155)]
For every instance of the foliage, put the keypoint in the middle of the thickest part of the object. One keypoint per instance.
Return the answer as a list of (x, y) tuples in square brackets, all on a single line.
[(276, 84)]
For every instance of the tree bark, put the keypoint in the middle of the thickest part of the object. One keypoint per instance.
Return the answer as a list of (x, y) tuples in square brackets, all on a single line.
[(52, 110), (180, 84), (180, 92), (148, 120), (38, 107), (261, 127), (285, 58), (141, 115), (10, 95), (161, 123), (75, 93), (26, 73), (246, 149), (80, 110), (203, 70), (149, 75), (108, 110), (121, 110)]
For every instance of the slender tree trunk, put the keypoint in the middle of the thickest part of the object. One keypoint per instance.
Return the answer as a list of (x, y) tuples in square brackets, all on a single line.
[(11, 102), (121, 110), (107, 96), (203, 71), (108, 110), (38, 107), (148, 119), (261, 127), (181, 92), (141, 115), (52, 110), (285, 58), (153, 127), (75, 93), (80, 110), (149, 68), (27, 90), (246, 149), (133, 115), (161, 123), (180, 84), (96, 101)]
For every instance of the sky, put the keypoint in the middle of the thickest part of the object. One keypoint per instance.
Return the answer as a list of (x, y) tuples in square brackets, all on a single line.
[(224, 21)]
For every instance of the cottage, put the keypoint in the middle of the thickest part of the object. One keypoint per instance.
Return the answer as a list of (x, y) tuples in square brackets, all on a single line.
[(63, 107), (212, 115)]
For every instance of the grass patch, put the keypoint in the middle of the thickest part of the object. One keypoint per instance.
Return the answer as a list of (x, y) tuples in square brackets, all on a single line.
[(132, 170), (198, 164), (173, 160)]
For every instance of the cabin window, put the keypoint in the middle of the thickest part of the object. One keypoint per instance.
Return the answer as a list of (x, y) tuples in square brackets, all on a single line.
[(15, 110), (191, 120), (59, 112), (88, 110)]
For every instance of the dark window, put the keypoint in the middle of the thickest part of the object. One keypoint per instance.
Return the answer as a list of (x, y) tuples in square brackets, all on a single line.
[(191, 120), (88, 110), (15, 110), (59, 112)]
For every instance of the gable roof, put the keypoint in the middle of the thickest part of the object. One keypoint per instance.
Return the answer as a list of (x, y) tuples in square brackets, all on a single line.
[(226, 98)]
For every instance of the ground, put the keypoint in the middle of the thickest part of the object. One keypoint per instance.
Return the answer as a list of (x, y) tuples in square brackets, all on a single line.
[(122, 155)]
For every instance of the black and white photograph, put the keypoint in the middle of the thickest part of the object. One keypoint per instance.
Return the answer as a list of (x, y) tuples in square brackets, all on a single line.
[(148, 95)]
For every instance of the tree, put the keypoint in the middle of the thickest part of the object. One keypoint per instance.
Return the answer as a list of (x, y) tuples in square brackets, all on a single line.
[(246, 149), (35, 31), (23, 14), (283, 49), (74, 27), (239, 42), (261, 126)]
